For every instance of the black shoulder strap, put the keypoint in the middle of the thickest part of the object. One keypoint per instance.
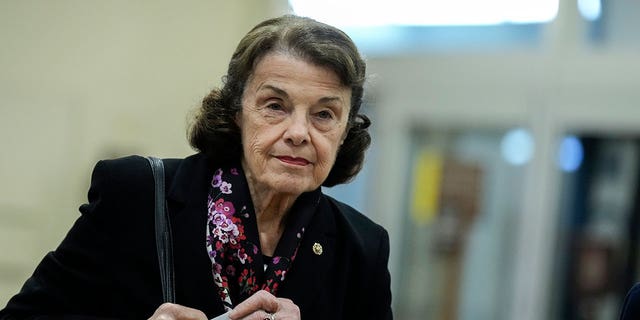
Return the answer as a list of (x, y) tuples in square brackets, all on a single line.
[(164, 244)]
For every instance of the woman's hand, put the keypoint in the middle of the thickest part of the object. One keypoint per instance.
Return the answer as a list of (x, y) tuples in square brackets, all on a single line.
[(263, 305), (170, 311)]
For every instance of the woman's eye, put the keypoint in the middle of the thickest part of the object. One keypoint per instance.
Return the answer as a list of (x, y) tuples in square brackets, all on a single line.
[(325, 115), (274, 106)]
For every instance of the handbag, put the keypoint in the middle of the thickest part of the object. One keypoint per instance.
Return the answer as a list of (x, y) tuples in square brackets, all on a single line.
[(164, 242)]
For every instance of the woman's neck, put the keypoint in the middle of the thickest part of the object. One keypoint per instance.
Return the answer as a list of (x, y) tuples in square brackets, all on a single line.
[(271, 211)]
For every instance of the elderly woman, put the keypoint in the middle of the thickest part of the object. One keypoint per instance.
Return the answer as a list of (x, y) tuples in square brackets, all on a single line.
[(253, 235)]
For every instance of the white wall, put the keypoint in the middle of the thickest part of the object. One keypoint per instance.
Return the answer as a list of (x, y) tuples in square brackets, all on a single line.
[(84, 80)]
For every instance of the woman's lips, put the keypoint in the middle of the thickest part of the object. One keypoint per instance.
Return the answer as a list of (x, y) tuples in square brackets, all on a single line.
[(294, 161)]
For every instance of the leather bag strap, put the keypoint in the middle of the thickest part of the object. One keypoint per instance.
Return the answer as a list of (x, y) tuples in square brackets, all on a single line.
[(164, 243)]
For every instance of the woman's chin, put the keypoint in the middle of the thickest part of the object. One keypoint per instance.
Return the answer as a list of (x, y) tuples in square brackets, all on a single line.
[(293, 186)]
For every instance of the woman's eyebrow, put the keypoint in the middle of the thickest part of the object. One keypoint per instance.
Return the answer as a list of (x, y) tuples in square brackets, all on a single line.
[(329, 99), (274, 89), (284, 94)]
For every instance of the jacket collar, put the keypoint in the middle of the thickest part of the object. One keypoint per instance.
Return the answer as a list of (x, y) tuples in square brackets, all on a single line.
[(191, 179)]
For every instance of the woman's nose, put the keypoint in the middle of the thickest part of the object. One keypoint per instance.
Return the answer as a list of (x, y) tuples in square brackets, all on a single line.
[(298, 129)]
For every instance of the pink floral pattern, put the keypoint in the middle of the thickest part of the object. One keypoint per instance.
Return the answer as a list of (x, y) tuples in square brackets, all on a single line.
[(235, 256)]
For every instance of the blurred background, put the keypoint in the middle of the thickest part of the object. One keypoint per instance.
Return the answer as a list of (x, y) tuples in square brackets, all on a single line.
[(506, 135)]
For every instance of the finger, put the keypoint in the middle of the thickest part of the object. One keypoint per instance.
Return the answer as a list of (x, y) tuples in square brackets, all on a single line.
[(259, 315), (263, 315), (289, 308), (259, 301), (171, 311)]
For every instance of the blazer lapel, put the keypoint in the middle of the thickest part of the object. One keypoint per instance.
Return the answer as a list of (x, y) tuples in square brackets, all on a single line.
[(315, 259), (187, 200)]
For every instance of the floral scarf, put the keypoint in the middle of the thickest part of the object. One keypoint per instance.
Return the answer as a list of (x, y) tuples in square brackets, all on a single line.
[(232, 241)]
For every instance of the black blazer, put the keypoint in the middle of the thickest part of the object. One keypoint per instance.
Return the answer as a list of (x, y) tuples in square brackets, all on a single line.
[(106, 267), (631, 305)]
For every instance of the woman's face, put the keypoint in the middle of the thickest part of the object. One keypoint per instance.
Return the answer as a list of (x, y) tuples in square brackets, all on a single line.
[(293, 120)]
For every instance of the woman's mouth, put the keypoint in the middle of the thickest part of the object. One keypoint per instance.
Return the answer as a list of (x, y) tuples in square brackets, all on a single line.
[(294, 161)]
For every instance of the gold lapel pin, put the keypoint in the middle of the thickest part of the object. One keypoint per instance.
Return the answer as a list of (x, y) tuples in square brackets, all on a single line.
[(317, 248)]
